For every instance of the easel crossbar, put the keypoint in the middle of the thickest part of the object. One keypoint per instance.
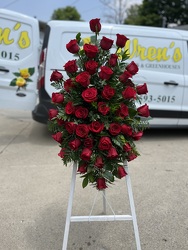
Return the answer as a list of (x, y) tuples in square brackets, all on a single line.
[(101, 218)]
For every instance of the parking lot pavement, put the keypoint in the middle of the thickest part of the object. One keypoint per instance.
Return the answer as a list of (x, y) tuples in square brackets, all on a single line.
[(34, 189)]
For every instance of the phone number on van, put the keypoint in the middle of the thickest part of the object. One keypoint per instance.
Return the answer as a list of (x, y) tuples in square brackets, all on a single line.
[(159, 98)]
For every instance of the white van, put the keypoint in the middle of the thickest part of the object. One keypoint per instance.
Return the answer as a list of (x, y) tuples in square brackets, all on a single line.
[(19, 58), (162, 56)]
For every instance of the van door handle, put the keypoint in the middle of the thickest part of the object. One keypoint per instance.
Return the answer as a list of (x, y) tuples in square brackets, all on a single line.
[(2, 69), (171, 83)]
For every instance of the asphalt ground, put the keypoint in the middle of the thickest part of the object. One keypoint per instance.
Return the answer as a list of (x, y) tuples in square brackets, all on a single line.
[(35, 185)]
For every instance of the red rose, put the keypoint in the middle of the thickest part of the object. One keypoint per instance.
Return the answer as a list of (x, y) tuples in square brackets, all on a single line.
[(57, 97), (121, 172), (113, 60), (71, 66), (95, 25), (127, 147), (57, 137), (127, 130), (82, 130), (106, 43), (129, 83), (115, 128), (105, 73), (70, 127), (142, 89), (131, 156), (68, 84), (143, 110), (132, 68), (101, 184), (108, 92), (81, 112), (112, 153), (88, 142), (72, 46), (62, 153), (99, 162), (86, 154), (129, 93), (125, 76), (82, 168), (90, 50), (123, 111), (96, 127), (69, 108), (56, 76), (121, 40), (103, 108), (91, 66), (83, 79), (105, 143), (52, 113), (90, 94), (136, 136), (75, 144)]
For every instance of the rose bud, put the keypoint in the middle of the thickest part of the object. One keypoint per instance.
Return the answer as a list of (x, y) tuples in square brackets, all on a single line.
[(68, 84), (82, 169), (91, 67), (75, 144), (95, 25), (57, 97), (142, 89), (96, 127), (71, 66), (106, 43), (114, 128), (123, 111), (113, 60), (129, 93), (112, 153), (121, 40), (143, 110), (105, 143), (137, 136), (72, 46), (131, 157), (121, 172), (90, 50), (69, 108), (99, 162), (125, 76), (57, 137), (108, 92), (105, 73), (86, 154), (61, 153), (88, 142), (103, 108), (127, 130), (52, 113), (83, 79), (56, 76), (101, 184), (127, 147), (132, 68)]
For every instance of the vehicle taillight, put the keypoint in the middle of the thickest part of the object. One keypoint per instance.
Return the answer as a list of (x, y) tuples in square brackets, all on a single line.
[(41, 69)]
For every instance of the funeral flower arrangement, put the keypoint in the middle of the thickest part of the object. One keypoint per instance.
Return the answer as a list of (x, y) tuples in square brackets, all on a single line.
[(96, 120)]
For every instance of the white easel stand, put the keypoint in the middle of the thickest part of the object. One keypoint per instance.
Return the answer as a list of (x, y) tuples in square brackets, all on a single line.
[(70, 218)]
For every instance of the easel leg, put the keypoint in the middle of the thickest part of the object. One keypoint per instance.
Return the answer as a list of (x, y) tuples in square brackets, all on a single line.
[(69, 209), (131, 200), (104, 202)]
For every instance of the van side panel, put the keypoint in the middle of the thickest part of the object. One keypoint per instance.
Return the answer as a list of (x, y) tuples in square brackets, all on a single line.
[(19, 55)]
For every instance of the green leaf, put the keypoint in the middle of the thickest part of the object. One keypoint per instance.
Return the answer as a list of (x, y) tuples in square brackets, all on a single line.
[(28, 80), (78, 37), (31, 71), (13, 82), (109, 176), (16, 74), (85, 182)]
